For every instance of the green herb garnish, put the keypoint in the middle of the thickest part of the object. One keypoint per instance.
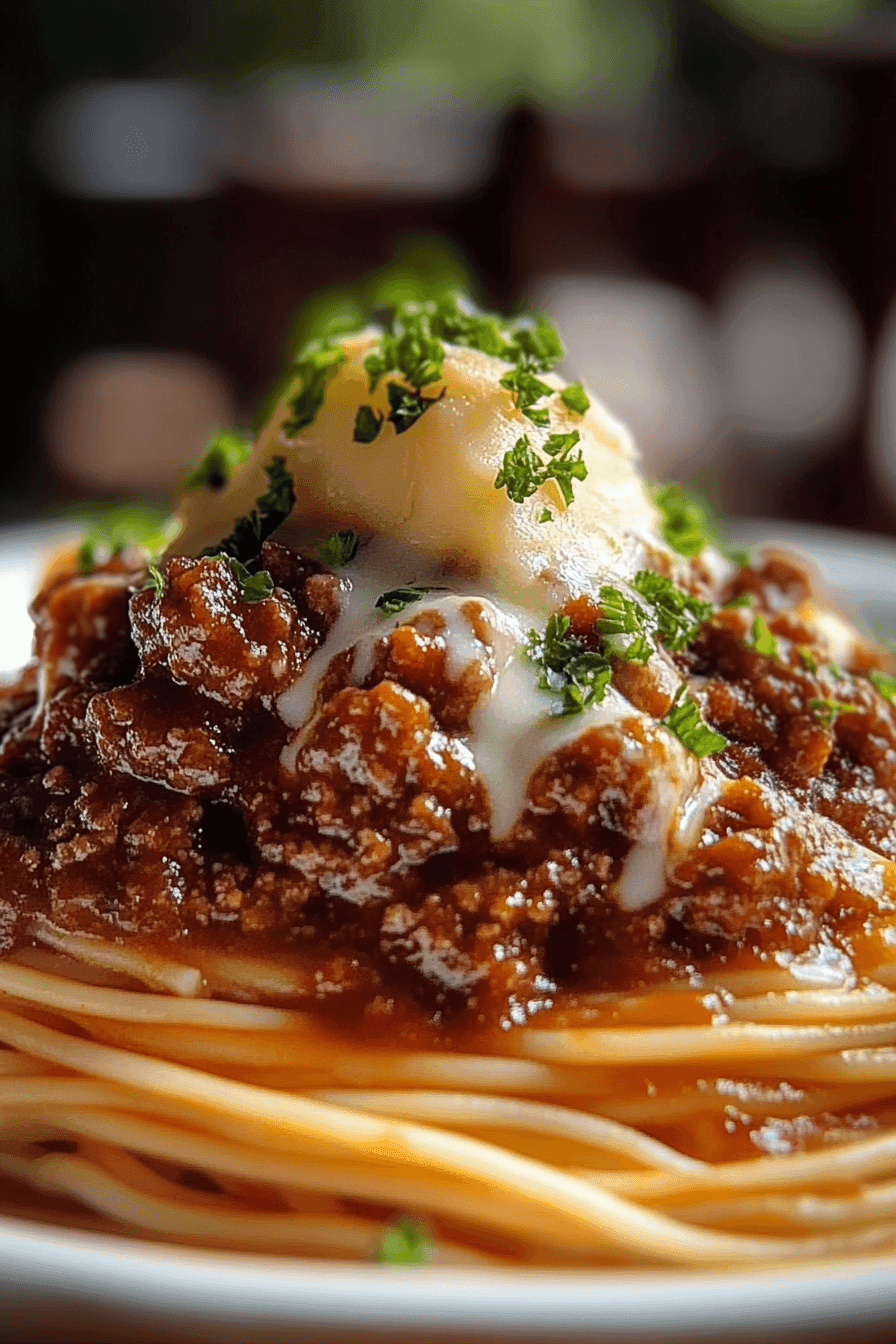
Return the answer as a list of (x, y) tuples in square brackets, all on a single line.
[(253, 587), (683, 719), (141, 525), (368, 424), (563, 468), (408, 1243), (340, 548), (827, 710), (225, 454), (527, 389), (575, 398), (576, 675), (406, 407), (885, 683), (678, 616), (396, 599), (761, 638), (523, 472), (807, 660), (742, 600), (314, 368), (271, 509), (156, 580), (685, 524), (621, 615)]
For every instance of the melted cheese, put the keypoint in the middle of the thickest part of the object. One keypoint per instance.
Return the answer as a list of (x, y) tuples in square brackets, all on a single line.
[(433, 487), (428, 497)]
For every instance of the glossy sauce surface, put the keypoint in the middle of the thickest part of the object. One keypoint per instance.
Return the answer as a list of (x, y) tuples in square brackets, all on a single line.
[(385, 804)]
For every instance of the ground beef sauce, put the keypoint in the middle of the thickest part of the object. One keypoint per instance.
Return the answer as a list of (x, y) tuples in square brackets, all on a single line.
[(147, 793)]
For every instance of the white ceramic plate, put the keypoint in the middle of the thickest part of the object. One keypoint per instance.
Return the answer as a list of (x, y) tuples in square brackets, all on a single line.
[(65, 1286)]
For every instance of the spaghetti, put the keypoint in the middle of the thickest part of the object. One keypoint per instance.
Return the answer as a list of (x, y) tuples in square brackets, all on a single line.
[(473, 842), (510, 1160)]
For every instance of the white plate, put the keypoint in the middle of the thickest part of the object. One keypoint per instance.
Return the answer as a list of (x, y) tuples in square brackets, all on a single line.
[(61, 1285)]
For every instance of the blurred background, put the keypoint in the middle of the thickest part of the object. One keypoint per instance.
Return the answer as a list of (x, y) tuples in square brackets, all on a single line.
[(701, 192)]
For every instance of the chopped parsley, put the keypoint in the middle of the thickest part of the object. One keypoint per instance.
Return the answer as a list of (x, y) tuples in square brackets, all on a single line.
[(340, 548), (683, 719), (761, 638), (411, 350), (156, 580), (806, 658), (575, 398), (141, 525), (225, 454), (314, 368), (827, 710), (885, 683), (686, 525), (523, 471), (527, 389), (272, 507), (253, 587), (742, 600), (407, 1243), (368, 424), (576, 675), (536, 344), (461, 325), (396, 599), (678, 616), (406, 408), (621, 615), (563, 468)]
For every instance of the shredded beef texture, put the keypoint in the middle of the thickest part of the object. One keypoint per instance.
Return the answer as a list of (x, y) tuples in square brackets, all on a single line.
[(149, 790)]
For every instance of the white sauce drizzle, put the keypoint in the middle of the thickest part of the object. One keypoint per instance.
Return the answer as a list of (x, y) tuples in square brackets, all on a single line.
[(511, 727)]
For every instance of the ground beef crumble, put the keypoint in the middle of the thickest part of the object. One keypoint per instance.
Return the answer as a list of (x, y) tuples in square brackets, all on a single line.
[(144, 795)]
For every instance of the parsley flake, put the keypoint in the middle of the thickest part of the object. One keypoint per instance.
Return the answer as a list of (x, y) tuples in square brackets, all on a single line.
[(396, 599), (576, 675), (683, 719), (407, 407), (678, 615), (563, 468), (253, 587), (140, 525), (575, 398), (761, 638), (885, 683), (340, 548), (685, 522), (827, 710), (621, 615), (368, 424), (156, 580), (536, 345), (527, 389), (740, 601), (523, 472), (314, 368), (807, 660), (271, 509), (225, 454), (407, 1243)]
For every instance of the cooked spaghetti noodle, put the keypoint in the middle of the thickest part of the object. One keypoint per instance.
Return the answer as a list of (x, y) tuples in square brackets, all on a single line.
[(514, 861)]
